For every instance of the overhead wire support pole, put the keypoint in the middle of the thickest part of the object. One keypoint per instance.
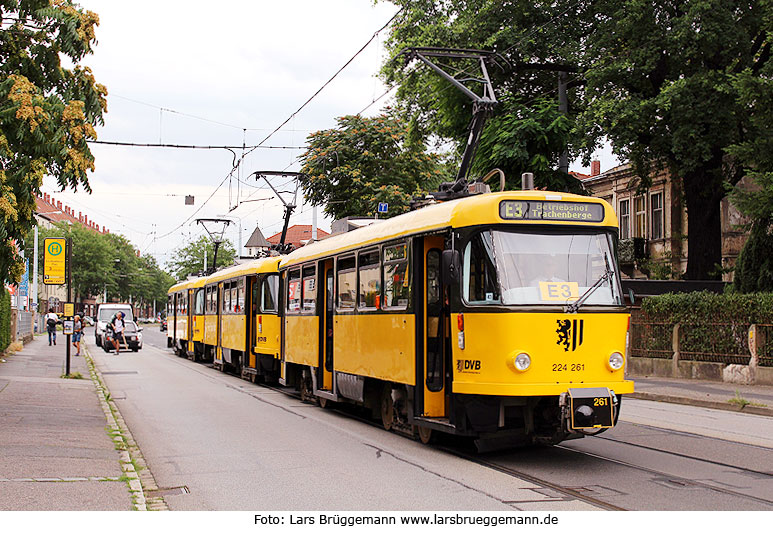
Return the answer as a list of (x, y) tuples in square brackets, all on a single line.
[(289, 206)]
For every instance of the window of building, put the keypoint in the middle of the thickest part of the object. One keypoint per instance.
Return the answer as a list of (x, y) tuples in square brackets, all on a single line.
[(370, 280), (347, 282), (396, 279), (625, 219), (640, 221), (656, 205)]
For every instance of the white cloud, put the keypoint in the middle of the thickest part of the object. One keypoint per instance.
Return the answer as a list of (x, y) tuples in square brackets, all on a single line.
[(248, 64)]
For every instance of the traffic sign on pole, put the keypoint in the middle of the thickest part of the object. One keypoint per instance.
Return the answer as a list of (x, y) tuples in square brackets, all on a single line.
[(54, 261)]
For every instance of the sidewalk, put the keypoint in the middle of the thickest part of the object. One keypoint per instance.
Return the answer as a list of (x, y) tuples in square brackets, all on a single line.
[(706, 394), (56, 451)]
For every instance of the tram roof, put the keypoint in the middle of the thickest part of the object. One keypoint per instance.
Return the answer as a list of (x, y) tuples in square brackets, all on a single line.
[(470, 211), (261, 265), (187, 284)]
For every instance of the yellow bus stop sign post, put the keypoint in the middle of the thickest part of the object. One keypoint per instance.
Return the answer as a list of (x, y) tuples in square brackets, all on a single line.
[(54, 261), (57, 259)]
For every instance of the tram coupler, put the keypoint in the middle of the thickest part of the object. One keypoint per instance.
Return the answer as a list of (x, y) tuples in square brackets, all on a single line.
[(587, 409)]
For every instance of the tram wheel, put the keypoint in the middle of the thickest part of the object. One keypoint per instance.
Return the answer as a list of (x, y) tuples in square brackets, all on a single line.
[(387, 407), (426, 435)]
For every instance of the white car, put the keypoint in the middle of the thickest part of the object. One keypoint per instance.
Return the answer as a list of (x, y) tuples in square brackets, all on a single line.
[(105, 313)]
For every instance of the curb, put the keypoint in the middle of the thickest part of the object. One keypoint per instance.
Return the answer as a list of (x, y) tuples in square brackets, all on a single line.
[(755, 410), (139, 478)]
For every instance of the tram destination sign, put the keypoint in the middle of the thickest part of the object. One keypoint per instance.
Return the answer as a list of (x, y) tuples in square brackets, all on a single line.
[(550, 210)]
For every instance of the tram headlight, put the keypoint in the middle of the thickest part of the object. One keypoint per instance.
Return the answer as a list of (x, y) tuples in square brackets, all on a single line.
[(616, 361), (522, 362)]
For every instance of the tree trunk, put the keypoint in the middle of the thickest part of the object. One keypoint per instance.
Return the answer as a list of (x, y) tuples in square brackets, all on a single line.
[(703, 193)]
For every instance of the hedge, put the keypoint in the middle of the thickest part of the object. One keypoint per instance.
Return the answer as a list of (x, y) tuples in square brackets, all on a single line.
[(712, 325), (707, 307), (5, 319)]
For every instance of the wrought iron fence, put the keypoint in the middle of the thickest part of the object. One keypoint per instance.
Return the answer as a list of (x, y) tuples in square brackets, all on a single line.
[(726, 343), (765, 351), (651, 340)]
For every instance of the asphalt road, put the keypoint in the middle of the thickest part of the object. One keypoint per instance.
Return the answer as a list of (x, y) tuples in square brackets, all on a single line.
[(237, 446)]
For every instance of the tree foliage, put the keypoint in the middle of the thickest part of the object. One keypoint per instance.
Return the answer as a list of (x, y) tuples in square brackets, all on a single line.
[(364, 161), (47, 111), (189, 260), (108, 263), (659, 79)]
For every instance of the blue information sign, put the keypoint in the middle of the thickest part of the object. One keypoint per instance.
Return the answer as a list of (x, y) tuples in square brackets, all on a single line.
[(383, 207)]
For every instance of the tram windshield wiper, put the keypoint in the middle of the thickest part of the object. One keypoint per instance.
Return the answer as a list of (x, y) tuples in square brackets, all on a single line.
[(607, 276)]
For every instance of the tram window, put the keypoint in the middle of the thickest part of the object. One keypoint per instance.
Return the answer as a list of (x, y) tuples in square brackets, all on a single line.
[(347, 283), (269, 293), (198, 309), (294, 291), (238, 295), (396, 280), (481, 286), (370, 280), (309, 289), (226, 297)]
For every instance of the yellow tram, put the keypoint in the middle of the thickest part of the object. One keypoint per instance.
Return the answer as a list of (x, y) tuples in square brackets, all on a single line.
[(497, 316), (182, 320), (241, 322)]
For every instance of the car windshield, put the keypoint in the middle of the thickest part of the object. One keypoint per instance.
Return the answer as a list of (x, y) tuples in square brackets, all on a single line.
[(556, 268), (105, 314), (131, 327)]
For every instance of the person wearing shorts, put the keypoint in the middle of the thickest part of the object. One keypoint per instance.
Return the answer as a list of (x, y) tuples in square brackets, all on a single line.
[(118, 328), (77, 333)]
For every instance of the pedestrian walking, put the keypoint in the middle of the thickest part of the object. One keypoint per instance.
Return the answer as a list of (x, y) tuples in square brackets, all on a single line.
[(77, 333), (51, 320), (118, 325)]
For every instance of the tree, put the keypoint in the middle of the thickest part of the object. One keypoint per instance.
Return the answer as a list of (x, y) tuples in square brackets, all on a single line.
[(47, 111), (107, 263), (189, 259), (658, 79), (364, 161), (526, 132), (92, 258)]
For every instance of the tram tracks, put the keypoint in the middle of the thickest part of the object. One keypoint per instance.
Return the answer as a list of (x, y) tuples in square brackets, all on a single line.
[(572, 491)]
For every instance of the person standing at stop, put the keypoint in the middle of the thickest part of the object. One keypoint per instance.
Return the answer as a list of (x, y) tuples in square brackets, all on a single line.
[(118, 327)]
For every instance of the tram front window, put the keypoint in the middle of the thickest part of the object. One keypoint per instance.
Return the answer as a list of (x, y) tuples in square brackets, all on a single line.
[(516, 268)]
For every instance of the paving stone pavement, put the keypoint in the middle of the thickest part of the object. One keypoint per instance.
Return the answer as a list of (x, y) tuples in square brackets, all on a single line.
[(55, 451)]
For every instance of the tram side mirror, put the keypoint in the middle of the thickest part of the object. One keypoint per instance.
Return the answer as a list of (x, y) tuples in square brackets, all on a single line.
[(452, 266), (631, 296)]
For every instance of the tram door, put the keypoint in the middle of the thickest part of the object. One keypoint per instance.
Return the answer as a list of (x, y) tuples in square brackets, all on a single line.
[(435, 329), (218, 356), (327, 296), (189, 340)]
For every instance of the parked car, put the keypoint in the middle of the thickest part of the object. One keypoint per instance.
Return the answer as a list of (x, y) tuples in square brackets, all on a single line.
[(88, 320), (105, 314), (132, 336)]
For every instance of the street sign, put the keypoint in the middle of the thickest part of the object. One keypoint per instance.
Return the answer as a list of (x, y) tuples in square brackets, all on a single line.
[(69, 309), (68, 328), (383, 207), (54, 261)]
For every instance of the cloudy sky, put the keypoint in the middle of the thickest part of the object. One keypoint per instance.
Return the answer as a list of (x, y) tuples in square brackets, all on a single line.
[(224, 73)]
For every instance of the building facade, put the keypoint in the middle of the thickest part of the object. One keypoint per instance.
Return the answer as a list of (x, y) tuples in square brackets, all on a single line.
[(653, 222)]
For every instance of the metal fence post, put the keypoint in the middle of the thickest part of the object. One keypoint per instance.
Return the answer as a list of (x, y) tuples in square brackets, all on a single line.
[(675, 347)]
